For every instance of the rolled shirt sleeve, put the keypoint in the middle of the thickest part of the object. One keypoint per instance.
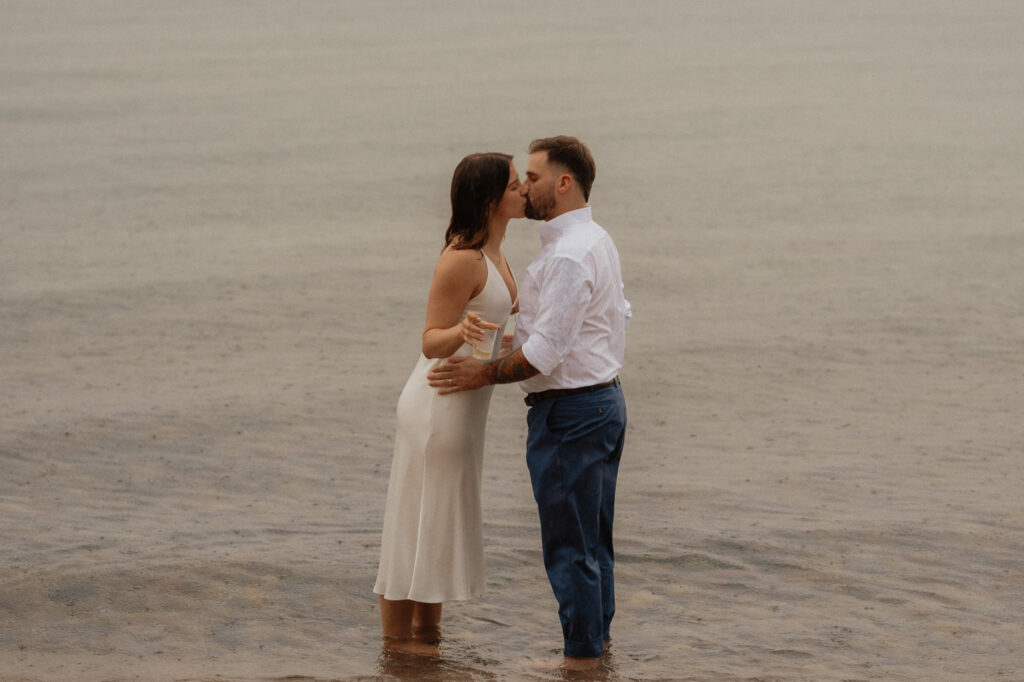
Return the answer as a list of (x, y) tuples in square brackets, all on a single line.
[(629, 308)]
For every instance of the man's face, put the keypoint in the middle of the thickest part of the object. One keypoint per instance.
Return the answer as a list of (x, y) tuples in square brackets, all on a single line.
[(539, 187)]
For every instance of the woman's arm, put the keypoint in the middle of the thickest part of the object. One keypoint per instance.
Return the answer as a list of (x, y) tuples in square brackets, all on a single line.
[(459, 276)]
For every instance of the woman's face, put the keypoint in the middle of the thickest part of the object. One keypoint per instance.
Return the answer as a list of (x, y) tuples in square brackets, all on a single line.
[(512, 203)]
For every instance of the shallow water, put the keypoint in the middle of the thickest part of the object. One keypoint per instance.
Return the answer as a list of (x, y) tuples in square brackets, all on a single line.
[(217, 224)]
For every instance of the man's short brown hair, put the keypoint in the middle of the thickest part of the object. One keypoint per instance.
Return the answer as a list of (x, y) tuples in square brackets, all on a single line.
[(571, 154)]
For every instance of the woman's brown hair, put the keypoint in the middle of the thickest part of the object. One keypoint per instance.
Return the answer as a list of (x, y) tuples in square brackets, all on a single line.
[(478, 184)]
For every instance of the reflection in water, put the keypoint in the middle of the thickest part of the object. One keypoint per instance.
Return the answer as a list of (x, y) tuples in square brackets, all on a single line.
[(605, 670), (441, 667), (456, 666), (458, 662)]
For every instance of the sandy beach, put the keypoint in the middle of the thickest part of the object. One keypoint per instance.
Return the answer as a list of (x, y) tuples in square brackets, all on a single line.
[(218, 222)]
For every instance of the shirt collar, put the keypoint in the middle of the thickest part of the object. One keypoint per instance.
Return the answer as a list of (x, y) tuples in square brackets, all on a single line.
[(552, 228)]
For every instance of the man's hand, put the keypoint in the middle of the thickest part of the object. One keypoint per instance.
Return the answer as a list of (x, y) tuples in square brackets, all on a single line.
[(468, 374), (457, 374)]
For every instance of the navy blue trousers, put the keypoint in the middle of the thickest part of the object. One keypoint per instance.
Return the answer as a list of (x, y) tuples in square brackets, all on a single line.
[(573, 451)]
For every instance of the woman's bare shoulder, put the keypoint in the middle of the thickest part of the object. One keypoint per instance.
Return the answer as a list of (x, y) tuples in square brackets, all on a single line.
[(472, 255), (460, 260), (460, 270)]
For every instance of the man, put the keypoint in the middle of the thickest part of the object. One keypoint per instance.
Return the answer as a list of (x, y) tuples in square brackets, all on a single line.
[(570, 342)]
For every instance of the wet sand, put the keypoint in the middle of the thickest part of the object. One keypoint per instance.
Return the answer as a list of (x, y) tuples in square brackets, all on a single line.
[(217, 225)]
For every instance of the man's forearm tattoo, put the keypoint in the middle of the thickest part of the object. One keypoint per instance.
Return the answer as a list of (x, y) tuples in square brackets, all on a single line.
[(510, 369)]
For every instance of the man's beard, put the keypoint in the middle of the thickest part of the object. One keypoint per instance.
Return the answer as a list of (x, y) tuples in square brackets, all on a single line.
[(541, 209)]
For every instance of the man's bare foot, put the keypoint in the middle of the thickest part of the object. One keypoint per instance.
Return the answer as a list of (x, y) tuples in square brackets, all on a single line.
[(409, 647), (572, 663)]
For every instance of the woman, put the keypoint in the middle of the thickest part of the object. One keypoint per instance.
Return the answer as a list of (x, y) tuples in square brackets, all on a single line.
[(432, 546)]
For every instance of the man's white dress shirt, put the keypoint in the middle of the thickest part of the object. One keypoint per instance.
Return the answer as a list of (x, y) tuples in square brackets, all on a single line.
[(572, 311)]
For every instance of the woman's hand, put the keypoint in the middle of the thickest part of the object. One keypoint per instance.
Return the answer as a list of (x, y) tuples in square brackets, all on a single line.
[(473, 327)]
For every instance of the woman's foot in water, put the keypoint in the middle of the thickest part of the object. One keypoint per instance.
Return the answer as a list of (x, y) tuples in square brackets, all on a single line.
[(410, 647), (428, 634)]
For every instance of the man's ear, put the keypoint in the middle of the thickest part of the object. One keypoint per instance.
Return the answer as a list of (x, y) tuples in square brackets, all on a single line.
[(565, 183)]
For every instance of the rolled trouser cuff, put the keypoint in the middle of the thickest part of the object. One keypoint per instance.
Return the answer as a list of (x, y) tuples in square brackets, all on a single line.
[(589, 649)]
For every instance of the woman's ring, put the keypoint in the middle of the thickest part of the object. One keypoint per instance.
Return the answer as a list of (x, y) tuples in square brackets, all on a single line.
[(451, 382)]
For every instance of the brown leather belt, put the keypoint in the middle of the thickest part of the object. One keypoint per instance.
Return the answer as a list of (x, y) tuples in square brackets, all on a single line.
[(532, 399)]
